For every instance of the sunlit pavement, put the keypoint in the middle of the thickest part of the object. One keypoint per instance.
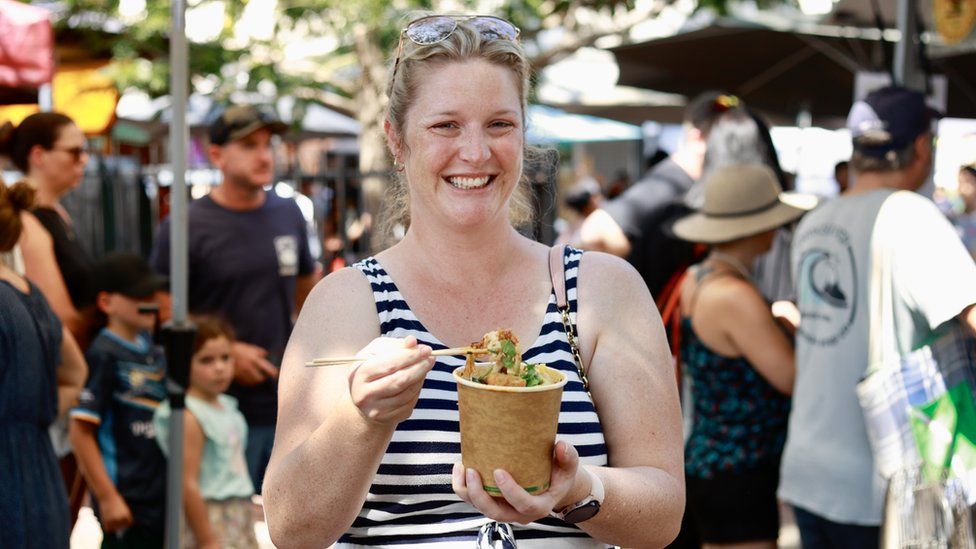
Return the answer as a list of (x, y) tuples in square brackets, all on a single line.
[(789, 534), (88, 535)]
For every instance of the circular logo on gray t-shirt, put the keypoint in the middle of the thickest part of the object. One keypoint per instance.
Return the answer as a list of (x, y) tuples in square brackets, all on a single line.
[(826, 284)]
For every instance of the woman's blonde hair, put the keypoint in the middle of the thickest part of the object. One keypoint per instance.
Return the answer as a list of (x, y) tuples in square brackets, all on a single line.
[(464, 44)]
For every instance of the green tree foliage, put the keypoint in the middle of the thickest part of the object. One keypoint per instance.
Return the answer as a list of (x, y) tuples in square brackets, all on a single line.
[(352, 73), (365, 34)]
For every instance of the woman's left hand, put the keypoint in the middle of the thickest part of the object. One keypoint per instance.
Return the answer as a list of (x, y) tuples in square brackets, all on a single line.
[(518, 505)]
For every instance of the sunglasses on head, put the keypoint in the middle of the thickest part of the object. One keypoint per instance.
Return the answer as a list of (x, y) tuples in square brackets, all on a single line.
[(437, 28)]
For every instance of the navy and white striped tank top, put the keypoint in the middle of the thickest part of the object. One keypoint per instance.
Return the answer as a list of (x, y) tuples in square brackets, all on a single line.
[(411, 503)]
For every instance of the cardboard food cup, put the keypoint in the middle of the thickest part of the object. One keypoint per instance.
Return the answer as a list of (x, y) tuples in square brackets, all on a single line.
[(509, 428)]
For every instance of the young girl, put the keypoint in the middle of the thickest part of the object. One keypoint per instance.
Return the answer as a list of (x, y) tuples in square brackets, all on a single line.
[(216, 486)]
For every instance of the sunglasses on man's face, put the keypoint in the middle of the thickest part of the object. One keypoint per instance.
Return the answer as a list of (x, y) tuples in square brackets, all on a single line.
[(437, 28)]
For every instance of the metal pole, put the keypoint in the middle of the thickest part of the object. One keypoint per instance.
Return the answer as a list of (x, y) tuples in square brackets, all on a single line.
[(342, 185), (179, 135), (907, 70), (178, 334), (45, 97)]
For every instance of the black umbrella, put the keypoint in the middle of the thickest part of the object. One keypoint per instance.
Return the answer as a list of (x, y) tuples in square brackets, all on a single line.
[(781, 71)]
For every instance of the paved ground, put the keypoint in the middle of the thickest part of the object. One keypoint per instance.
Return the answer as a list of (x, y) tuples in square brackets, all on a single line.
[(88, 535)]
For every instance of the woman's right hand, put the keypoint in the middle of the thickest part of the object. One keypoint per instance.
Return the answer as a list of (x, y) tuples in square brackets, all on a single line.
[(386, 385)]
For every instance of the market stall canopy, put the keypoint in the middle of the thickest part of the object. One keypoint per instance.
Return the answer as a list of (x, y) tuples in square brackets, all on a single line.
[(548, 125), (83, 92), (321, 121), (784, 71), (628, 114), (26, 51), (201, 110), (781, 70)]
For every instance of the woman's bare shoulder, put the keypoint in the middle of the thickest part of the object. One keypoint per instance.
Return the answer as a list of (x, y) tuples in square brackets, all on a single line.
[(33, 233), (609, 274), (732, 290), (346, 286), (341, 302), (731, 298)]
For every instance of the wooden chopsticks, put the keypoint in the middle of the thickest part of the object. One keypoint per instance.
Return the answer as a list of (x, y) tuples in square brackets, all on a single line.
[(456, 351)]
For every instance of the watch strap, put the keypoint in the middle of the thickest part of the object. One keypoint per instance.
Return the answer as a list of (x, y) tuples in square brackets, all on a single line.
[(597, 493)]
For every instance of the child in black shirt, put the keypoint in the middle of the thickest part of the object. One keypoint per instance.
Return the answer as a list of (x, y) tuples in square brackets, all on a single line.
[(112, 429)]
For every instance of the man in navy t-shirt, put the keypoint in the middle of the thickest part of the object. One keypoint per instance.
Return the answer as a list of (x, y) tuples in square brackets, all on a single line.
[(250, 263)]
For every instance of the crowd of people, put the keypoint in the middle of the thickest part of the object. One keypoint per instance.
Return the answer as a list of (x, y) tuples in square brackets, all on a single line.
[(88, 368), (771, 325)]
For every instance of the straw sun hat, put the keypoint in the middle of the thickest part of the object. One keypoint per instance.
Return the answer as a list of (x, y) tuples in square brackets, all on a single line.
[(740, 201)]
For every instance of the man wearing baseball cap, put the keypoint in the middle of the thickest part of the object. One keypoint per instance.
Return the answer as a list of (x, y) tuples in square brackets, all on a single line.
[(249, 262), (880, 230)]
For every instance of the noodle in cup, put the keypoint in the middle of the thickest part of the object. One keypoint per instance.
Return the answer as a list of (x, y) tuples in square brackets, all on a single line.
[(510, 428)]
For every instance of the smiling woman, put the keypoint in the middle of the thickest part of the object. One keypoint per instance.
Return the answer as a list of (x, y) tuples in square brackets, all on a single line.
[(369, 453), (413, 66)]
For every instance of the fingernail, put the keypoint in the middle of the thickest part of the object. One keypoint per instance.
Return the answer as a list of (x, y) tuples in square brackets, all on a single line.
[(472, 475), (499, 476)]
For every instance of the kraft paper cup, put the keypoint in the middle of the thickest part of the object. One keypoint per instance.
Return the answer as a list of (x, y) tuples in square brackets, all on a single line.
[(509, 428)]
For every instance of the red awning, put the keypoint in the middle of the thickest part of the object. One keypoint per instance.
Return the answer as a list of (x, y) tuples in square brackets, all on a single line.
[(26, 45)]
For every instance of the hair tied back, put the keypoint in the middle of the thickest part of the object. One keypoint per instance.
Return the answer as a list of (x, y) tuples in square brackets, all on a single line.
[(6, 136), (21, 196)]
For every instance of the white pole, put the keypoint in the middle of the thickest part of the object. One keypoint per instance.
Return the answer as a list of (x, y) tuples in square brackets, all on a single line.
[(45, 97)]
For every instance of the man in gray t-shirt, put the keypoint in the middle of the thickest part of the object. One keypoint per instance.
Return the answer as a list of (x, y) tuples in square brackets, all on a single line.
[(828, 472)]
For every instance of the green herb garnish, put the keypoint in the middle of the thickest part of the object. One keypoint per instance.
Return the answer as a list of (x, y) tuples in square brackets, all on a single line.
[(509, 361), (530, 375)]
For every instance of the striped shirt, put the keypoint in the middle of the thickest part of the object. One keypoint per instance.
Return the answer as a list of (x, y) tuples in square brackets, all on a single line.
[(411, 502)]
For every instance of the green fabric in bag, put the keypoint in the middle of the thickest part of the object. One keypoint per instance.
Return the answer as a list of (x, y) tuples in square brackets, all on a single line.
[(945, 432)]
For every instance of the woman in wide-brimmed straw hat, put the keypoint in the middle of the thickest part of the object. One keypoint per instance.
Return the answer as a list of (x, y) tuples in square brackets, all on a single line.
[(740, 361)]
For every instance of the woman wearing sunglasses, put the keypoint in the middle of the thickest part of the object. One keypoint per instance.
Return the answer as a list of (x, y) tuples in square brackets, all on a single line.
[(49, 149), (369, 453)]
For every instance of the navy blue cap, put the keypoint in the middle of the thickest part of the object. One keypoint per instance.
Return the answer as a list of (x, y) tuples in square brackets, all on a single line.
[(127, 274), (889, 119), (239, 121)]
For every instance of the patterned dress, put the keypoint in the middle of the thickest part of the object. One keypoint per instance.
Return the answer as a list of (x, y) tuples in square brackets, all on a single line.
[(33, 502), (740, 419)]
